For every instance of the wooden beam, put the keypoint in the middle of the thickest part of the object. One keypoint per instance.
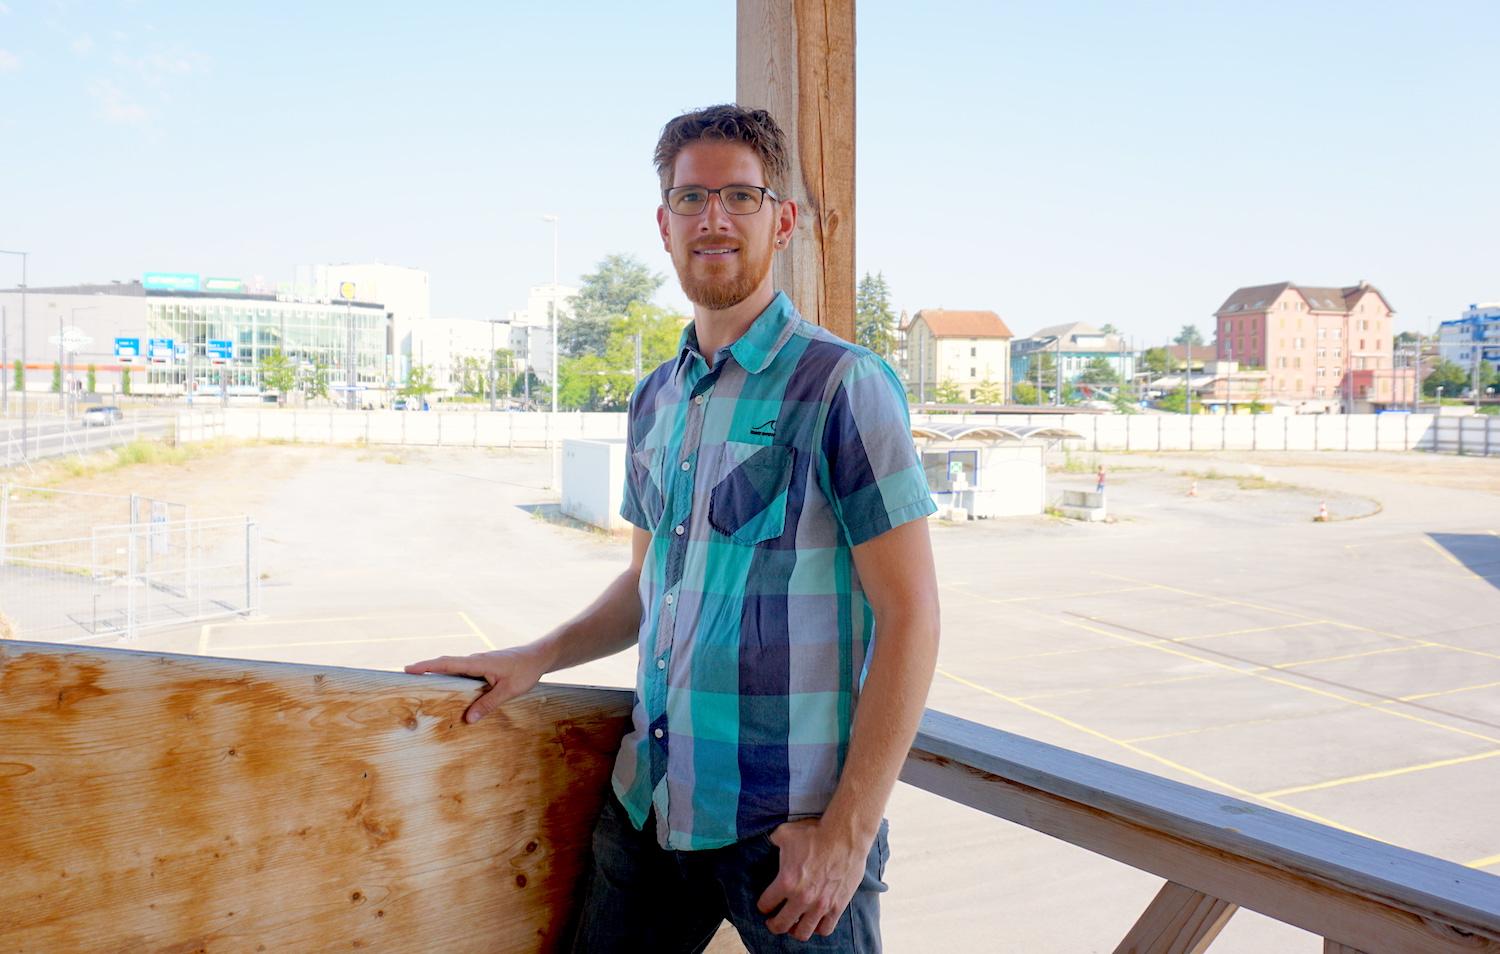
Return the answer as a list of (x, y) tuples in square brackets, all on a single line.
[(1179, 920), (1375, 897), (795, 58), (176, 803)]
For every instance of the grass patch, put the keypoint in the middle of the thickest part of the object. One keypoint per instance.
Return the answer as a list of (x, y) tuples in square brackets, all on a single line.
[(135, 453)]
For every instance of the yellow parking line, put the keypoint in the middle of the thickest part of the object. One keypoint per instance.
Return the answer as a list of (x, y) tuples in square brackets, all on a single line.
[(1388, 773), (1258, 629), (483, 638), (1236, 725), (1065, 596), (1151, 755), (1448, 692), (350, 642), (1450, 557), (1371, 652), (1170, 648), (1123, 685), (1483, 862)]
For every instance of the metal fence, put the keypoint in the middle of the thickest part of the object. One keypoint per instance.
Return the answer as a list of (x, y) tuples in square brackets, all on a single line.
[(67, 576)]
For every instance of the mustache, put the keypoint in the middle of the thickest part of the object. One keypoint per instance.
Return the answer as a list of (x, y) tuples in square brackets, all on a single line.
[(708, 240)]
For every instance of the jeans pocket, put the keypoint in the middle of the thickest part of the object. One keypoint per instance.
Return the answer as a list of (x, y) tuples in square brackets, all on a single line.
[(748, 503)]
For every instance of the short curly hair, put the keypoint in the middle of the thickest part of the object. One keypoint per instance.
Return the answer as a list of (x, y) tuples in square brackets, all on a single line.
[(727, 123)]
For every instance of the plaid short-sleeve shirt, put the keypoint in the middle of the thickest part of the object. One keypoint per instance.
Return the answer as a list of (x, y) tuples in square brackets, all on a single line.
[(755, 478)]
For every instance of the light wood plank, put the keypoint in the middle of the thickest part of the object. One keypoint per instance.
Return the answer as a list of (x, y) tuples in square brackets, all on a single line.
[(155, 802), (796, 59), (1376, 897), (1179, 920)]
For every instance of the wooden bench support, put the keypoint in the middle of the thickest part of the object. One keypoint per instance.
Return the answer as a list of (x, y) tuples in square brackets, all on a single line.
[(1178, 920)]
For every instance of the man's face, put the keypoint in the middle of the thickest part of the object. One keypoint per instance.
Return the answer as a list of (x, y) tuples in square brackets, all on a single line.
[(721, 259)]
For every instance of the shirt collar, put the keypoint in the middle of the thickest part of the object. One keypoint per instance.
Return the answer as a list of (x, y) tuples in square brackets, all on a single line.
[(758, 346)]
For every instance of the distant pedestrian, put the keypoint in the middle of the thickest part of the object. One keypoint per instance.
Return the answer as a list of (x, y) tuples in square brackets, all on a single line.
[(1100, 488)]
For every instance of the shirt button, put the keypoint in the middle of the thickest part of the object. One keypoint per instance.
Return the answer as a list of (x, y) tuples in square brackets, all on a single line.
[(686, 465), (698, 399), (671, 599), (678, 530), (658, 733), (661, 664)]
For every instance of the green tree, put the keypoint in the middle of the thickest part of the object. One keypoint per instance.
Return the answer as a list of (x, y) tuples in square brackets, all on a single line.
[(57, 378), (948, 392), (1189, 335), (989, 391), (603, 297), (1110, 329), (1099, 371), (314, 381), (1041, 372), (1174, 402), (1157, 361), (419, 383), (124, 380), (1447, 375), (277, 373), (20, 378), (1024, 393), (605, 382), (874, 322), (93, 381), (527, 382)]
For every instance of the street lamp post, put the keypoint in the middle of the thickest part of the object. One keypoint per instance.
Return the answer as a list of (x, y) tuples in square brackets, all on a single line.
[(64, 406), (553, 420), (23, 346)]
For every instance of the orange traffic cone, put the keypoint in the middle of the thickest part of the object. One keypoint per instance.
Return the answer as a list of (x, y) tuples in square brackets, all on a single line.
[(1322, 516), (1194, 491)]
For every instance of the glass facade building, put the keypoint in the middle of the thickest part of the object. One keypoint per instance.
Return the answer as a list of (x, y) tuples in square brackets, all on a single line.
[(310, 334)]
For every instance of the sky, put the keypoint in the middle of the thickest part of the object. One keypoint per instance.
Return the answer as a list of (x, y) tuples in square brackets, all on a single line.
[(1052, 162)]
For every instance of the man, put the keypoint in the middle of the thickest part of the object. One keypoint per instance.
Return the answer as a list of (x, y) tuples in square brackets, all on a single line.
[(781, 591)]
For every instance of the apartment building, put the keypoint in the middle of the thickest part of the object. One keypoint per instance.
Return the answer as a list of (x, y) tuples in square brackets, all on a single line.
[(1327, 349), (969, 349)]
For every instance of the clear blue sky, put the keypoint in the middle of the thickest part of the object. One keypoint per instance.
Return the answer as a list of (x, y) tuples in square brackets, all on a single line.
[(1102, 161)]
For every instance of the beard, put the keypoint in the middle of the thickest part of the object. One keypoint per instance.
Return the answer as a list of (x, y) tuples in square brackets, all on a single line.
[(718, 286)]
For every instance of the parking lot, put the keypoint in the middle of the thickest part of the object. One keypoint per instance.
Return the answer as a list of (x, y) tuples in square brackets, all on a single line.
[(1345, 671)]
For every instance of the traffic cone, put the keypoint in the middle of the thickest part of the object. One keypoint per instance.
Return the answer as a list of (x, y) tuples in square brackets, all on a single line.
[(1322, 516), (1194, 491)]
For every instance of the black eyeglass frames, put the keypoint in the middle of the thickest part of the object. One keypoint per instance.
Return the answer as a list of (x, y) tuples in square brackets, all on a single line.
[(736, 199)]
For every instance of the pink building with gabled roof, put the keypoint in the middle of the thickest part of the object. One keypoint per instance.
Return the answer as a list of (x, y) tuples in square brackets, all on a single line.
[(1325, 349)]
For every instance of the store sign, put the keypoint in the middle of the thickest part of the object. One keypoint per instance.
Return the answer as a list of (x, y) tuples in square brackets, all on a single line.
[(127, 349), (71, 339), (172, 281), (346, 291), (220, 352), (231, 286), (162, 350)]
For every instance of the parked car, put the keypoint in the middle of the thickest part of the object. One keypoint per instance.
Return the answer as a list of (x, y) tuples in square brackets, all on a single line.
[(103, 415)]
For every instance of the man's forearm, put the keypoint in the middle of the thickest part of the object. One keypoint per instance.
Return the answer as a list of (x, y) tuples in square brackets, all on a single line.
[(609, 625), (890, 709)]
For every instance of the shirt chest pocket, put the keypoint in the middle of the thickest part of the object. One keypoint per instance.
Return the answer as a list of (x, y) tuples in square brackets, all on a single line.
[(749, 497)]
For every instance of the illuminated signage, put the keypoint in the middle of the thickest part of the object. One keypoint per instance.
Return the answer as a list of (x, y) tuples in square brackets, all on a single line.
[(232, 286), (127, 349), (220, 352), (172, 281), (346, 290), (162, 350)]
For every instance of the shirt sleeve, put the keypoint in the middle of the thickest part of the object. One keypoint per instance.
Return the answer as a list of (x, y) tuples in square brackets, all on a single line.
[(875, 479)]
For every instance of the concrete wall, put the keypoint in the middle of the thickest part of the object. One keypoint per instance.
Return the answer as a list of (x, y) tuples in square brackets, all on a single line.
[(1474, 434)]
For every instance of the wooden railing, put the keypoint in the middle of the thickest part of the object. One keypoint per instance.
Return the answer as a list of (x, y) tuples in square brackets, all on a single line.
[(1217, 853), (153, 802)]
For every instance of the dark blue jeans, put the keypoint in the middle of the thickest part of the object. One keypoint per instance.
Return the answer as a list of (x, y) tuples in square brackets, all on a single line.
[(645, 898)]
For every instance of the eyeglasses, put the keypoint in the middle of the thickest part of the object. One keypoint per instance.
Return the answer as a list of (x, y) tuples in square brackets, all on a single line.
[(736, 199)]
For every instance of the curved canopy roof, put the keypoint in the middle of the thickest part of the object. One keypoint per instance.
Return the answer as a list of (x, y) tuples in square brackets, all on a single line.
[(989, 432)]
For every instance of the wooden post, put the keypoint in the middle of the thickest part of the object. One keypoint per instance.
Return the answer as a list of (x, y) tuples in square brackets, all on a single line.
[(1178, 921), (796, 59)]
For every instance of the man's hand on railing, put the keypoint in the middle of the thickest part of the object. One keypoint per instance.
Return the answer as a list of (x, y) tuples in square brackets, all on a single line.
[(510, 673)]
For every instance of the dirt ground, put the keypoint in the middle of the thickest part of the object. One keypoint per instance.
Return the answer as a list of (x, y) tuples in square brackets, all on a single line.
[(1434, 470)]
